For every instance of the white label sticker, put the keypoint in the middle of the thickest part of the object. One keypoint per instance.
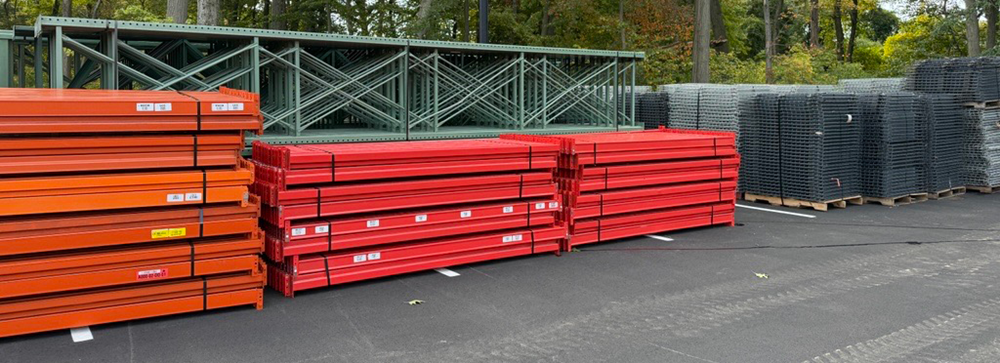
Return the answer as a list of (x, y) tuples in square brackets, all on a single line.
[(466, 213), (372, 223), (144, 107), (508, 209), (236, 106), (540, 205), (298, 231), (216, 107), (163, 107), (420, 218), (174, 198), (553, 204), (322, 229), (360, 258), (512, 238), (192, 197), (375, 256)]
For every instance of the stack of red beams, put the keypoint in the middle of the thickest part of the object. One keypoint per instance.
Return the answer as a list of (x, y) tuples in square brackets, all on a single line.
[(347, 212), (624, 184), (120, 205)]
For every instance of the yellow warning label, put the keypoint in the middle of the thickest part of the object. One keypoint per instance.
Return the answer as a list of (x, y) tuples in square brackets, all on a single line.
[(169, 233)]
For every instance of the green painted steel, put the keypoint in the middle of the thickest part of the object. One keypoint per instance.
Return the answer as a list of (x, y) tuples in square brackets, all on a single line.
[(318, 87)]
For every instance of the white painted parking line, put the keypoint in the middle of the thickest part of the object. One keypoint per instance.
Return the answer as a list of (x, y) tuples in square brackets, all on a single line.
[(777, 211), (653, 236), (447, 272), (81, 334)]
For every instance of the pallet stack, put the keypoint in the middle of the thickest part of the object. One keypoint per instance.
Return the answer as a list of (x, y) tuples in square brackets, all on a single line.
[(892, 148), (624, 184), (981, 148), (944, 125), (121, 205), (340, 213), (803, 150)]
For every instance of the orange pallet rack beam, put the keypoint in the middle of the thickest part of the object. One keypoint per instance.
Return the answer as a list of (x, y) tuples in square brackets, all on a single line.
[(29, 155), (45, 110), (77, 270), (100, 306), (57, 194), (68, 231)]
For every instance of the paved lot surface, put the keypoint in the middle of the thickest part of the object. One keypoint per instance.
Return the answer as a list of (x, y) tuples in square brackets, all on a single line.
[(696, 299)]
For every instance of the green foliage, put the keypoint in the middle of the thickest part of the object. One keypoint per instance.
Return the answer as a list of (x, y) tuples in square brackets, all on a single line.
[(878, 24), (924, 36), (730, 69)]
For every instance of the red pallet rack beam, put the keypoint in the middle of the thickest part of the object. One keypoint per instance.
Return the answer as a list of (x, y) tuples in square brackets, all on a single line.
[(333, 268), (635, 146), (306, 203), (317, 164), (46, 110), (29, 155), (655, 221), (330, 234), (632, 175), (598, 204), (57, 194), (77, 270), (79, 309), (68, 231)]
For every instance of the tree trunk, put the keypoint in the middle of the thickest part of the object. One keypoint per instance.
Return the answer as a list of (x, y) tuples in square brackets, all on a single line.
[(277, 16), (422, 12), (67, 8), (516, 6), (854, 32), (545, 19), (991, 24), (814, 24), (776, 21), (465, 21), (720, 41), (768, 46), (177, 10), (484, 22), (838, 29), (702, 29), (208, 12), (972, 27)]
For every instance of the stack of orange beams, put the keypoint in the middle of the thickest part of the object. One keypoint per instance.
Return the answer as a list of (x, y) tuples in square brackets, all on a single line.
[(121, 205)]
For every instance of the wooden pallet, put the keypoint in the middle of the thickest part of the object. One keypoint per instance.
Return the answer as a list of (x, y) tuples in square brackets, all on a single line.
[(947, 193), (892, 202), (796, 203), (984, 190), (987, 104)]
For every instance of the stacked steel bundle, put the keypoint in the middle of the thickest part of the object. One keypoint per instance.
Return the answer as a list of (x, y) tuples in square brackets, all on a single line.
[(970, 80), (618, 185), (804, 150), (652, 109), (892, 152), (981, 147), (872, 85), (944, 127), (704, 107), (120, 205), (340, 213)]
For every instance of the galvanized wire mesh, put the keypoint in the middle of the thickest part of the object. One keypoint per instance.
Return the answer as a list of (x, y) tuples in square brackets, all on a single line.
[(871, 85), (892, 152), (981, 147), (944, 123), (969, 79)]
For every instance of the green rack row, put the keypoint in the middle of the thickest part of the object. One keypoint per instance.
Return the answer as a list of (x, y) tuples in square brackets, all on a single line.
[(318, 87)]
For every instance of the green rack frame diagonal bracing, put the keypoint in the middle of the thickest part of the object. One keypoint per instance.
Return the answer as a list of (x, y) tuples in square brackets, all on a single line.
[(318, 87)]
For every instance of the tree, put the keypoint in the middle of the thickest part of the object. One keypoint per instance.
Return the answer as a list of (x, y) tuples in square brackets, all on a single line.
[(177, 10), (878, 24), (276, 19), (208, 12), (702, 28), (768, 46), (991, 23), (814, 23), (972, 27), (838, 28), (720, 41)]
